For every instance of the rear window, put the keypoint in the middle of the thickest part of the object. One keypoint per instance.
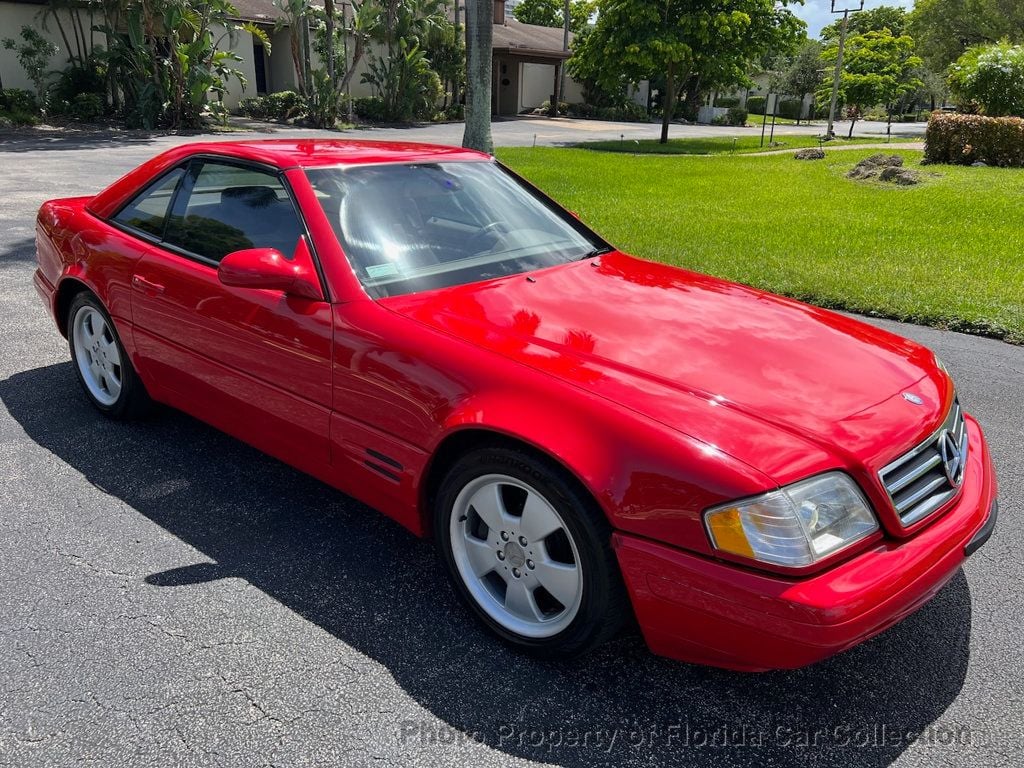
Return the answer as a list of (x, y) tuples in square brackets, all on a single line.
[(148, 211)]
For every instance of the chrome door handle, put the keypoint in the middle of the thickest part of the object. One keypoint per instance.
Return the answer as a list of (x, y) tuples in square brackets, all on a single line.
[(146, 285)]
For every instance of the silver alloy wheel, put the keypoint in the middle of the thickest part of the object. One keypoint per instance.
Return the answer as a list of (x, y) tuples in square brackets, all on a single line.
[(99, 360), (516, 556)]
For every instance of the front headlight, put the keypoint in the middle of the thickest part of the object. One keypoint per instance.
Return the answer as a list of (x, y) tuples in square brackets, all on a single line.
[(794, 526)]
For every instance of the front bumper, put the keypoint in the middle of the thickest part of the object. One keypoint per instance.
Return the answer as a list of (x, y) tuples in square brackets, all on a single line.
[(706, 611)]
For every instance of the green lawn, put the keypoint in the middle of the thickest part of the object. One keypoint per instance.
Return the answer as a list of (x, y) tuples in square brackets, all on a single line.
[(720, 145), (949, 252)]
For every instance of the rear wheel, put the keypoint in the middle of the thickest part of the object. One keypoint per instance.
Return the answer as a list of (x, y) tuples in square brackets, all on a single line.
[(529, 552), (101, 363)]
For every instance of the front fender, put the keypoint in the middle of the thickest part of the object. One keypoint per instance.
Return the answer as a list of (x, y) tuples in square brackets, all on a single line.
[(649, 480)]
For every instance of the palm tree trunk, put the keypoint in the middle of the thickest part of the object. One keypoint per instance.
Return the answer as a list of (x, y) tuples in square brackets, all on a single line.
[(329, 14), (479, 36)]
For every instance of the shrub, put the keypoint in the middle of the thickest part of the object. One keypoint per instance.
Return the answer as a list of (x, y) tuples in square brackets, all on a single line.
[(967, 139), (282, 106), (720, 120), (285, 105), (755, 105), (992, 76), (736, 116), (369, 108), (563, 107), (628, 112), (73, 82), (452, 112), (727, 101), (582, 110), (86, 107), (254, 107), (18, 100), (791, 109)]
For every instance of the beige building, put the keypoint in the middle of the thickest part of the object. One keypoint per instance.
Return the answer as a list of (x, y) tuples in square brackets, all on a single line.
[(527, 58)]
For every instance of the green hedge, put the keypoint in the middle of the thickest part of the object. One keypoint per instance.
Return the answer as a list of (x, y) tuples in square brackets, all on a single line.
[(727, 101), (736, 116), (282, 106), (966, 139), (756, 105), (791, 109)]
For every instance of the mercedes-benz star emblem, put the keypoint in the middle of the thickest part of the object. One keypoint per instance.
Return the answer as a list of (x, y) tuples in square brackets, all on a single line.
[(910, 397), (952, 459)]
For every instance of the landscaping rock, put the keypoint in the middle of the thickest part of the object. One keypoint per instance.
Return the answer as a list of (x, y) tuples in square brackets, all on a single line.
[(889, 173), (810, 154), (979, 164), (862, 172), (907, 178), (870, 167)]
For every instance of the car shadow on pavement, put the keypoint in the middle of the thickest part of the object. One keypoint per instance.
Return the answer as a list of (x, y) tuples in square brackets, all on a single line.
[(33, 140), (19, 251), (376, 588)]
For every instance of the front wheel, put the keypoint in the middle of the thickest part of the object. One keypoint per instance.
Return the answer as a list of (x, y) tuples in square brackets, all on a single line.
[(101, 362), (529, 552)]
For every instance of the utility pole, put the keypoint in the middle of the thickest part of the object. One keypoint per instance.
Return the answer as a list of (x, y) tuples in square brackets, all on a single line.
[(566, 18), (830, 133)]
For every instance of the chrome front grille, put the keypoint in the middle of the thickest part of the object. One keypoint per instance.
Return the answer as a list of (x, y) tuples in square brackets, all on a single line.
[(923, 479)]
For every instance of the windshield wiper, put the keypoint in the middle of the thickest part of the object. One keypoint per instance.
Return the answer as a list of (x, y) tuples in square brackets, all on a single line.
[(596, 252)]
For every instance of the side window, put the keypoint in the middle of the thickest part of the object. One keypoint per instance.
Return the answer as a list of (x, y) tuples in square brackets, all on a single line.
[(230, 208), (148, 211)]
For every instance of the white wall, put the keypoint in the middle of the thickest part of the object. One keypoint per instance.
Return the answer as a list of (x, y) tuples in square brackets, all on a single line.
[(538, 83), (240, 42), (14, 16)]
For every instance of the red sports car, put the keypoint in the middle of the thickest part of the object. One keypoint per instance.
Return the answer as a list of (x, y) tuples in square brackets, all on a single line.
[(588, 436)]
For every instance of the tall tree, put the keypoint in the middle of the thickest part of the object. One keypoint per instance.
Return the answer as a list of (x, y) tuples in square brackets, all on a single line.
[(689, 45), (890, 17), (944, 29), (804, 72), (479, 37), (549, 13), (878, 68)]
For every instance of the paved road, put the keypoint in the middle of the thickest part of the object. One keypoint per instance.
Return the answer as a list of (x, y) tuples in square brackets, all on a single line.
[(506, 133), (170, 596)]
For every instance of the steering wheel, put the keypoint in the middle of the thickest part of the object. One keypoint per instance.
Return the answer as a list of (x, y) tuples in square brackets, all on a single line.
[(495, 229)]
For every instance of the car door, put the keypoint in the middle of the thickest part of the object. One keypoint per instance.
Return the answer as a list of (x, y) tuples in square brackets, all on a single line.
[(255, 363)]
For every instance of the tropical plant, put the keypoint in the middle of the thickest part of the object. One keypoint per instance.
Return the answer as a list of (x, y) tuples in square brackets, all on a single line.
[(34, 53), (401, 74), (991, 76)]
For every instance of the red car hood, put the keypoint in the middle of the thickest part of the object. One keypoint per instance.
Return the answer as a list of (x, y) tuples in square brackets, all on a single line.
[(767, 379)]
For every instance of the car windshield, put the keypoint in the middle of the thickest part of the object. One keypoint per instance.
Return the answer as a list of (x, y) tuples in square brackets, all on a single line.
[(413, 227)]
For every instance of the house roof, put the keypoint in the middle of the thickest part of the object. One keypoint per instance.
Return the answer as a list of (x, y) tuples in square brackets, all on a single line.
[(259, 10), (529, 40), (511, 38)]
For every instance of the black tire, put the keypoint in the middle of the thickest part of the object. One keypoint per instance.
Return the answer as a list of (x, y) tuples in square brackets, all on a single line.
[(133, 401), (604, 605)]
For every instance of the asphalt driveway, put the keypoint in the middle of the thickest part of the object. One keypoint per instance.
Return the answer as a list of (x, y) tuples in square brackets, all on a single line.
[(171, 596)]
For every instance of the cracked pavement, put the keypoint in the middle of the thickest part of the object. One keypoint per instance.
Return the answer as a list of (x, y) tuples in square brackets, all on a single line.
[(171, 596)]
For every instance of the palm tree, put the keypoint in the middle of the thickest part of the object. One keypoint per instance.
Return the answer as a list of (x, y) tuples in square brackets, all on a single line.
[(479, 34)]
